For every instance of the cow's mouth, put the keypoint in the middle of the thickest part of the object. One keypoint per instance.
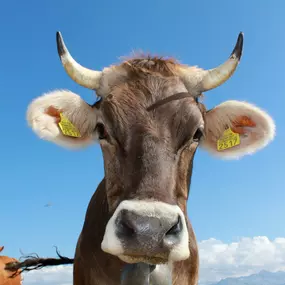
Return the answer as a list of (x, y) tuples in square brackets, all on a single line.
[(145, 259)]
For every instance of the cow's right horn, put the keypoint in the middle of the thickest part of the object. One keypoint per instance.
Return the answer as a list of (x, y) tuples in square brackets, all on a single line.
[(85, 77)]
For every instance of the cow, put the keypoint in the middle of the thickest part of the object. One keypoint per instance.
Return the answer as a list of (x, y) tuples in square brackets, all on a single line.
[(149, 120), (7, 277)]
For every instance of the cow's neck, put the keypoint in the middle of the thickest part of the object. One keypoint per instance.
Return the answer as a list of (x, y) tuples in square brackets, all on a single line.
[(89, 250)]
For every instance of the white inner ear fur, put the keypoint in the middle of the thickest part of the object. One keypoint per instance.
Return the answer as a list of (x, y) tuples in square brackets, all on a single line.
[(73, 107), (256, 137)]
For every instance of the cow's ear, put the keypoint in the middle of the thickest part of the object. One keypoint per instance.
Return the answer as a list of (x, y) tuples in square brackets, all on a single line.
[(62, 117), (234, 129)]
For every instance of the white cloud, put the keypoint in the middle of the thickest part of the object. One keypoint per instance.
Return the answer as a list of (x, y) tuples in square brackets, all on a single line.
[(218, 260), (246, 256), (58, 275)]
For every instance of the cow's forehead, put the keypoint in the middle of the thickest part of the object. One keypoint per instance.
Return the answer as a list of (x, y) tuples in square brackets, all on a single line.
[(138, 68), (134, 85), (128, 120)]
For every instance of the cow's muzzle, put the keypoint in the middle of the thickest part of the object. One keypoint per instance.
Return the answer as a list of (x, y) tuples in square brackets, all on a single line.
[(147, 231)]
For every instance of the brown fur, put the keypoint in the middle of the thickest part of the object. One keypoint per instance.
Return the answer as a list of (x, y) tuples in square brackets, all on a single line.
[(8, 277), (147, 155), (145, 64)]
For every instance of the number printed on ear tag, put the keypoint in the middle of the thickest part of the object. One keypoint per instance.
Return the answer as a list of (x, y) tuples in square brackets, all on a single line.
[(67, 128), (228, 140)]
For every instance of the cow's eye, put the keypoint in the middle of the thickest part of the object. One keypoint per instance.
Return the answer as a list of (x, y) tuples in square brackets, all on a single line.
[(100, 129), (198, 135)]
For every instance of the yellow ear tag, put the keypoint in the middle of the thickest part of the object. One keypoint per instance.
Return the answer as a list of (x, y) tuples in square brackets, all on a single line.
[(67, 128), (228, 140)]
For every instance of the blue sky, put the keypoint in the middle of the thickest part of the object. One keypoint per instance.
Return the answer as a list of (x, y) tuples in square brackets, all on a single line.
[(229, 199)]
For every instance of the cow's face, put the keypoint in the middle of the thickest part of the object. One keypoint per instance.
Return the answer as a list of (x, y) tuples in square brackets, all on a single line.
[(149, 123), (148, 156)]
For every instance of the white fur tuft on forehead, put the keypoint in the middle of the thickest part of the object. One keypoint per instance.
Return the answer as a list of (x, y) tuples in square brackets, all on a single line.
[(111, 76), (192, 78), (253, 137), (44, 121)]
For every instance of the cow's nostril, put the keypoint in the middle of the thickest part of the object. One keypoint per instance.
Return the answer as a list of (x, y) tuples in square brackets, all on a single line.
[(175, 229), (124, 225), (126, 229)]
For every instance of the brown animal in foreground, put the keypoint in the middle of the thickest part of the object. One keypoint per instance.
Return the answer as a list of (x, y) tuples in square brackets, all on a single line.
[(6, 277), (149, 122)]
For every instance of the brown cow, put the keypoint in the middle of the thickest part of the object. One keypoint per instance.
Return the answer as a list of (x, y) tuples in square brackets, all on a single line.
[(6, 277), (149, 122)]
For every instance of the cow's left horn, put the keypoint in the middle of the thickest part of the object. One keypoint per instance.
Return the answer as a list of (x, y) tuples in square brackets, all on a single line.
[(85, 77), (209, 79)]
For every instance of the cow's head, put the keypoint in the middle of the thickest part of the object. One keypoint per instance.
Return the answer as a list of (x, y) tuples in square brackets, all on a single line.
[(8, 277), (149, 123)]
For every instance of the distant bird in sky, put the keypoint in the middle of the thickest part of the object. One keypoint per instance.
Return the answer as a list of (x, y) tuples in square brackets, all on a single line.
[(48, 205)]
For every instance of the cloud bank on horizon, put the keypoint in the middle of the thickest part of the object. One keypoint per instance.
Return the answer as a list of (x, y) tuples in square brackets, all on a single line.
[(247, 256), (218, 260)]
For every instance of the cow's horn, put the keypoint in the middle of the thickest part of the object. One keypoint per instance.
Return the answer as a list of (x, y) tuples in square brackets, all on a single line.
[(81, 75), (209, 79)]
